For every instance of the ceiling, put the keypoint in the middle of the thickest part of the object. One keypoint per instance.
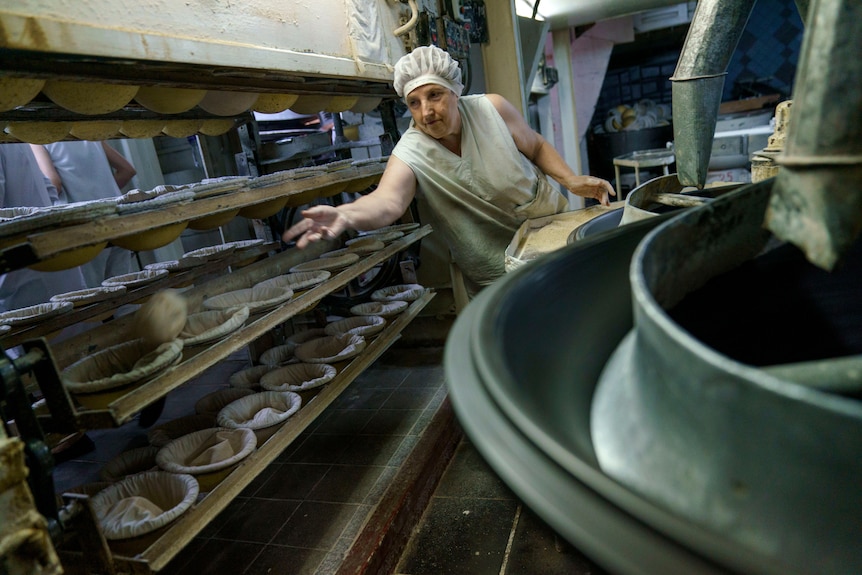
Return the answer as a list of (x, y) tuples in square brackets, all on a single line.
[(566, 13)]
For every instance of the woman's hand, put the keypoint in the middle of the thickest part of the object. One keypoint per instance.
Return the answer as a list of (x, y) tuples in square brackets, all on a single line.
[(318, 223), (591, 187)]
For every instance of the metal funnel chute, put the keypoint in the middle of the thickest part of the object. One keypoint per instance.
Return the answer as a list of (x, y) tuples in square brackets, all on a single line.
[(698, 82), (816, 203)]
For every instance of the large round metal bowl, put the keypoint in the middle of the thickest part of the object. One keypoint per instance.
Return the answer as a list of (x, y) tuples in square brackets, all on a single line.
[(690, 411), (522, 365)]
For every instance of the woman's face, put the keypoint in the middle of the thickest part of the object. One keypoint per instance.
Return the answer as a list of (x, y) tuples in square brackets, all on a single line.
[(435, 110)]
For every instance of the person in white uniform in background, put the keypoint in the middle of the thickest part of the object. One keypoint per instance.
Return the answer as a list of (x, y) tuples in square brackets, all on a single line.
[(482, 169), (23, 184), (85, 171)]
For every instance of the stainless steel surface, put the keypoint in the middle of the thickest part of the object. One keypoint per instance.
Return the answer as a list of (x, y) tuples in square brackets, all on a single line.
[(772, 465), (698, 82), (522, 363), (817, 203)]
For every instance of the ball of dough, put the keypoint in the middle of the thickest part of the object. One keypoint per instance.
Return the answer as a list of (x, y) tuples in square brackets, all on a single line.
[(161, 318)]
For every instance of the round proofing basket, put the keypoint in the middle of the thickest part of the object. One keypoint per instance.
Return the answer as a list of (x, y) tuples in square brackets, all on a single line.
[(383, 309), (364, 325), (262, 412), (208, 326), (35, 313), (89, 295), (212, 403), (403, 292), (163, 434), (307, 335), (298, 377), (129, 463), (298, 280), (136, 279), (209, 454), (330, 349), (249, 378), (136, 509), (366, 245), (118, 366), (278, 355), (211, 253), (257, 299), (331, 264)]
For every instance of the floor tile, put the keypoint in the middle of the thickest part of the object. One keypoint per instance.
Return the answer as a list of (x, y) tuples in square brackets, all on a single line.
[(218, 557), (381, 377), (409, 398), (537, 549), (431, 376), (320, 449), (346, 483), (258, 520), (392, 422), (280, 560), (226, 514), (315, 525), (344, 421), (291, 481), (460, 537), (252, 488), (361, 398), (371, 449), (468, 475), (179, 561)]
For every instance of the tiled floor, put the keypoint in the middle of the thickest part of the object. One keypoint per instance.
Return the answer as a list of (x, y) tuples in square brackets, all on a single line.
[(301, 515), (475, 525)]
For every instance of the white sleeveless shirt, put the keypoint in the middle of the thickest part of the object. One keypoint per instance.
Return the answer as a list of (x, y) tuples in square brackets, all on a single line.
[(481, 197)]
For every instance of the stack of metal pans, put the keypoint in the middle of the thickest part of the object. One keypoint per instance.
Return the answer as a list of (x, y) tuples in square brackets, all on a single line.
[(523, 362)]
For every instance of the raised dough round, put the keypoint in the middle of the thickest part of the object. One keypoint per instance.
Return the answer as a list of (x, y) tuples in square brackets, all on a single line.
[(161, 318)]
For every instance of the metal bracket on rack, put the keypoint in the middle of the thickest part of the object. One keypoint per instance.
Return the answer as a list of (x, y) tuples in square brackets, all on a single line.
[(15, 407)]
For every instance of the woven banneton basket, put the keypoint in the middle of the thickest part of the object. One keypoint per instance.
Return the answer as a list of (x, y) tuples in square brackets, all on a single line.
[(262, 412), (256, 299), (136, 279), (134, 512), (298, 377), (89, 295), (209, 454), (35, 313), (210, 253), (120, 365), (163, 434), (330, 349), (332, 264), (249, 377), (306, 335), (298, 280), (130, 462), (364, 325), (208, 326), (212, 403), (366, 245), (403, 292), (382, 308), (278, 355)]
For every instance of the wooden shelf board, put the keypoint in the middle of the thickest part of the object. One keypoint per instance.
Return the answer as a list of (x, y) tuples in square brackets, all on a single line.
[(49, 243), (99, 310)]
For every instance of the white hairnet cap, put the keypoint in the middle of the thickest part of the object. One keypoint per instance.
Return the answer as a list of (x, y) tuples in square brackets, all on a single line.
[(427, 65)]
